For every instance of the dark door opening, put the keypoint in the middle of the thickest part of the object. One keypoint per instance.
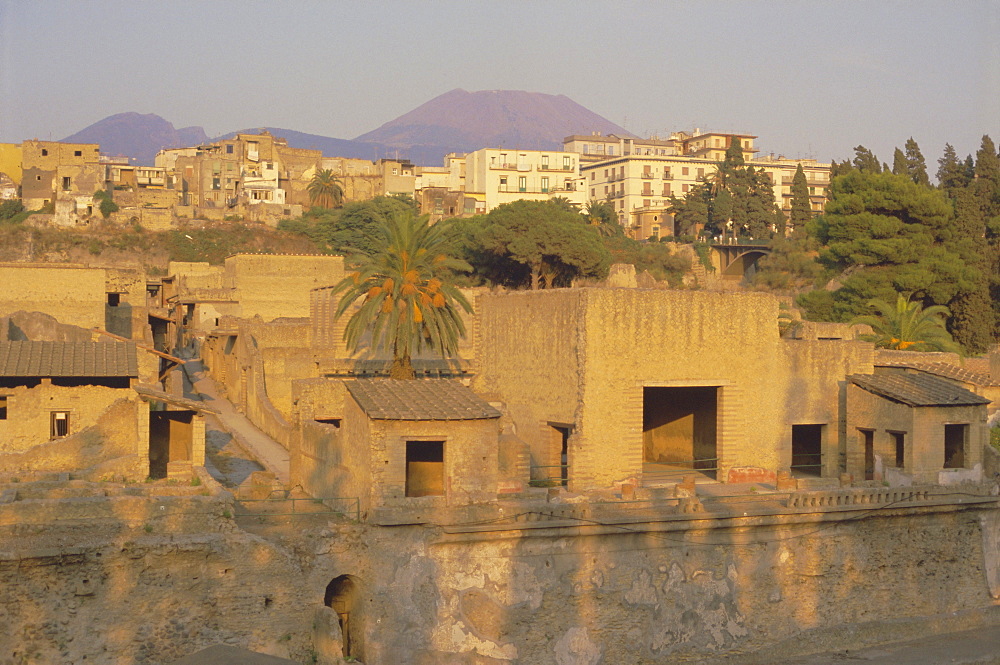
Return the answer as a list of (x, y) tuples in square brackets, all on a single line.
[(679, 428), (424, 468), (342, 596), (868, 437), (954, 445), (807, 449), (170, 439), (899, 440)]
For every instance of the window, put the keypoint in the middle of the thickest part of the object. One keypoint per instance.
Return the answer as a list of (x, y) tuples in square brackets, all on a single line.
[(78, 153), (3, 407), (684, 187), (522, 183), (59, 424), (424, 468), (545, 185), (567, 162), (66, 183), (216, 183), (545, 161), (503, 183), (592, 174), (701, 173), (114, 299), (229, 148), (45, 153), (684, 171)]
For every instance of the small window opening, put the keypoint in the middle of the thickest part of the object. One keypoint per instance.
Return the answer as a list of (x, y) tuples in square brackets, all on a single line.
[(45, 153), (66, 183), (114, 299), (3, 407), (424, 468), (59, 424), (329, 421), (78, 153)]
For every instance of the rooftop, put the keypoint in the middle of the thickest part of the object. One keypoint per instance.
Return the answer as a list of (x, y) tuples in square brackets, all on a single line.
[(946, 370), (420, 399), (48, 359), (917, 389)]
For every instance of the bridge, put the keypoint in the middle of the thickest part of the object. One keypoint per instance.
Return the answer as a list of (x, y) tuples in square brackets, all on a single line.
[(734, 263)]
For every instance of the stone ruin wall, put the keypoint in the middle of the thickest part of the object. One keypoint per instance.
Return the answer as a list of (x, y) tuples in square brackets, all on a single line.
[(150, 579)]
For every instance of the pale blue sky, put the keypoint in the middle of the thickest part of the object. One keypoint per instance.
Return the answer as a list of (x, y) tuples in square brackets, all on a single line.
[(809, 78)]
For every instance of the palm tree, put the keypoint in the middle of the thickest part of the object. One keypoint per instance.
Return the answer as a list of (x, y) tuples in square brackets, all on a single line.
[(908, 325), (325, 190), (406, 300)]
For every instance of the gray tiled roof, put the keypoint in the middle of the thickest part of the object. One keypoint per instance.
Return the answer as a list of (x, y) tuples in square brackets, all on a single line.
[(420, 399), (917, 389), (54, 359), (946, 370)]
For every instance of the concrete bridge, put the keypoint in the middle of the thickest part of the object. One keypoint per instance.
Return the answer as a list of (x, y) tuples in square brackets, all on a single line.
[(735, 263)]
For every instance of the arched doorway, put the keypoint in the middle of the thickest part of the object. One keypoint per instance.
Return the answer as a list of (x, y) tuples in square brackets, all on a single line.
[(343, 597)]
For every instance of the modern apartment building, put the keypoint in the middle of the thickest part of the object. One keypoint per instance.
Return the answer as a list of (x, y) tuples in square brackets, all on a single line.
[(638, 177)]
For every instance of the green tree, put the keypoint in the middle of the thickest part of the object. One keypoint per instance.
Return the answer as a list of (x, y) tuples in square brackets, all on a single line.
[(325, 190), (908, 326), (916, 167), (406, 300), (801, 206), (866, 161), (899, 165), (541, 241), (951, 173), (885, 235), (601, 215)]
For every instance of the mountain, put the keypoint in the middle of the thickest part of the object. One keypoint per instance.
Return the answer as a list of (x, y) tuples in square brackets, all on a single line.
[(137, 135), (466, 121), (457, 121)]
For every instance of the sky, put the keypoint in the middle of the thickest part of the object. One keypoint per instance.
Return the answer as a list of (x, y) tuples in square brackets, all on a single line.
[(810, 78)]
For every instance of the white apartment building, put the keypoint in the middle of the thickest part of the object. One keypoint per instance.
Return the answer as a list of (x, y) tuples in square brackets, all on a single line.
[(640, 182), (504, 175)]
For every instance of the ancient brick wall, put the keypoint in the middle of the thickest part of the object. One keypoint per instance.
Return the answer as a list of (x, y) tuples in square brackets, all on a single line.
[(74, 295)]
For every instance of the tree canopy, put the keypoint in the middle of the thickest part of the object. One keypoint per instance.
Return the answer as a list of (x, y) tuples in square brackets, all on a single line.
[(407, 299), (540, 243), (325, 190)]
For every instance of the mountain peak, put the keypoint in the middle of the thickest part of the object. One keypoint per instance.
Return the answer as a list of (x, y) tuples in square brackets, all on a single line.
[(138, 135), (472, 120)]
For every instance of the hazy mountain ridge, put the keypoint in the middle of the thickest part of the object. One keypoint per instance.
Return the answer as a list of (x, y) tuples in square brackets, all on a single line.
[(457, 121), (137, 135)]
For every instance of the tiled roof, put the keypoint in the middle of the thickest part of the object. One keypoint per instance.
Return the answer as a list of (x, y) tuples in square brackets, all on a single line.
[(55, 359), (917, 389), (946, 370), (420, 399)]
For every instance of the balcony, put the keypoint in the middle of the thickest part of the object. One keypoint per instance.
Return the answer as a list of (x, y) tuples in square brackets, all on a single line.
[(564, 169), (646, 175), (508, 166)]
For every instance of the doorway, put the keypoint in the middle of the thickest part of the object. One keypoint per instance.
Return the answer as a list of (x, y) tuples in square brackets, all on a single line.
[(680, 429), (868, 441), (342, 596), (171, 435), (807, 449)]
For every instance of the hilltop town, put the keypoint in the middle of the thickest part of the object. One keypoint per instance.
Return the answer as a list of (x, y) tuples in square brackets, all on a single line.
[(595, 404)]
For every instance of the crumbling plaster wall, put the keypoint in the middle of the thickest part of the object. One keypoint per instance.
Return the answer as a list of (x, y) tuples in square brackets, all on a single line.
[(131, 594), (113, 441), (29, 411)]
